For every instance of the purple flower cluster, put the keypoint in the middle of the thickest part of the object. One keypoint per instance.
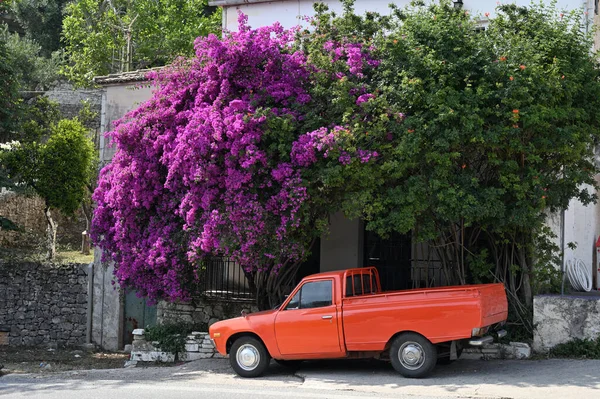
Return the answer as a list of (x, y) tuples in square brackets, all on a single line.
[(192, 176), (355, 54)]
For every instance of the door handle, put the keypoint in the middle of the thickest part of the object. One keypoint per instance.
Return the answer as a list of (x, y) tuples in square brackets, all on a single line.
[(326, 317)]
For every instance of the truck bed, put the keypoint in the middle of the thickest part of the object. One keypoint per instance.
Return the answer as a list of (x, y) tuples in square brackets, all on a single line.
[(440, 314)]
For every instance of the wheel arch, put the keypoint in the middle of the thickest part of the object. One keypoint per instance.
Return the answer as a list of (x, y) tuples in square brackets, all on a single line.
[(237, 335), (393, 337)]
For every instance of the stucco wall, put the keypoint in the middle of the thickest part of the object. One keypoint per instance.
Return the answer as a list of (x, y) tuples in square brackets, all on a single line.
[(582, 228), (560, 319), (117, 100), (288, 13), (342, 248), (107, 307)]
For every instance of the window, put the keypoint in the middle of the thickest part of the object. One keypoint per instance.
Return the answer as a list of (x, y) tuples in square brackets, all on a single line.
[(354, 285), (312, 295)]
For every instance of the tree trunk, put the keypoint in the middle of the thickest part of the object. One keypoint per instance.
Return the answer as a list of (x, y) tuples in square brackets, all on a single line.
[(85, 236), (527, 291), (51, 234)]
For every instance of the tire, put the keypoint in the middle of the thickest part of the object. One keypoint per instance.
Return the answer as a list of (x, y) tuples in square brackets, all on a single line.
[(412, 355), (249, 357), (292, 364)]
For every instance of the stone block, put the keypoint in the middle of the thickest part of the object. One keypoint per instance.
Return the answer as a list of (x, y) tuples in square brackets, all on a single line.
[(190, 356), (191, 347), (520, 350), (208, 346), (142, 345), (138, 332), (152, 356)]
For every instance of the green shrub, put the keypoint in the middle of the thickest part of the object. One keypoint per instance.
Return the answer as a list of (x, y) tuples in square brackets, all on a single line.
[(578, 348), (171, 337)]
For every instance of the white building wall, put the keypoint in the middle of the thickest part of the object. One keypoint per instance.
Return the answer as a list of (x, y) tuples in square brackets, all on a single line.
[(108, 306), (289, 12), (582, 228), (117, 100)]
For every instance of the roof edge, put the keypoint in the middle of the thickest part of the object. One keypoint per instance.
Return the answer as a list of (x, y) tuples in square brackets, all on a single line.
[(139, 75), (230, 3)]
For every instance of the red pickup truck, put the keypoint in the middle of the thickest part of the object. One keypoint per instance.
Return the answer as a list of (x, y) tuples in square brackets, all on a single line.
[(344, 314)]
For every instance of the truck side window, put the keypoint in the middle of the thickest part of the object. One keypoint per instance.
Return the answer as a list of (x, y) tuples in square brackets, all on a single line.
[(295, 302), (312, 295), (316, 294)]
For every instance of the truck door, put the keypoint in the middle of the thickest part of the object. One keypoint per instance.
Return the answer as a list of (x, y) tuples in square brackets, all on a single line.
[(309, 323)]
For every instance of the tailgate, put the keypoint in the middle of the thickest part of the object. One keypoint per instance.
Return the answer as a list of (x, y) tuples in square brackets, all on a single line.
[(494, 306)]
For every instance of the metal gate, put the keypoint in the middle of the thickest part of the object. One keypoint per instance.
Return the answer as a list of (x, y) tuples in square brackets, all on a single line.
[(392, 258), (138, 314)]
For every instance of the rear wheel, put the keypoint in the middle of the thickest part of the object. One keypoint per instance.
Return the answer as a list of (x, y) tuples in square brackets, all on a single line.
[(412, 355), (249, 357)]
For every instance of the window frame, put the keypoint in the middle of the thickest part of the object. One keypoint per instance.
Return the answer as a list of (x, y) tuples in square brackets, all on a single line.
[(299, 292)]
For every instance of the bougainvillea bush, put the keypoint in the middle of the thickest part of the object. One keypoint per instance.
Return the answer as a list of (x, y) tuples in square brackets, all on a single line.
[(419, 122), (218, 162)]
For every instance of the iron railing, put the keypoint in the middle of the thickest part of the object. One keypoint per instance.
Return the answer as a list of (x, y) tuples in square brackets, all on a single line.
[(222, 278)]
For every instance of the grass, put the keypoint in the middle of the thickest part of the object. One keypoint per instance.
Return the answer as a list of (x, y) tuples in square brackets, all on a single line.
[(73, 257), (63, 256)]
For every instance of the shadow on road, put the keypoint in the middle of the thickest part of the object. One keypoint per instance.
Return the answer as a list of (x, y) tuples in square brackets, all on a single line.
[(462, 377)]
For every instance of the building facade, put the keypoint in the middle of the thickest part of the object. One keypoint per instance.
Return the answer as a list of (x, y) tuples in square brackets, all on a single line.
[(401, 261)]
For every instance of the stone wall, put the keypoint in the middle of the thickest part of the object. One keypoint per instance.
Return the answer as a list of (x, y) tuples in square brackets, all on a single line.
[(27, 212), (43, 304), (560, 319), (70, 101), (201, 310)]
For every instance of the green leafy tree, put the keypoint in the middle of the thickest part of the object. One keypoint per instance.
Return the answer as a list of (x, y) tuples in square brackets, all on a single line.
[(103, 37), (498, 129), (57, 170), (41, 21), (33, 70), (9, 93), (501, 128)]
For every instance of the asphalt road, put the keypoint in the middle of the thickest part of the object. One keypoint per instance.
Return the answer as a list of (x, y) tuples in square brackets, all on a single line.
[(546, 379)]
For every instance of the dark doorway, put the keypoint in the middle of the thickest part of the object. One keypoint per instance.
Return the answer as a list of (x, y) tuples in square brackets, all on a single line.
[(312, 264), (392, 258)]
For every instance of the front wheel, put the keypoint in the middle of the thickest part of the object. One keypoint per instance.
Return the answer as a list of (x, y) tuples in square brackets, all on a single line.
[(249, 357), (412, 355)]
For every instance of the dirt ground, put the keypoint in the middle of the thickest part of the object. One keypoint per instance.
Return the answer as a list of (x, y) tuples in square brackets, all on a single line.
[(43, 360)]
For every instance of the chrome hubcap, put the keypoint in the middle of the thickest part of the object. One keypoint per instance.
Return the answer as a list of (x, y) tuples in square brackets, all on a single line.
[(247, 357), (411, 355)]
